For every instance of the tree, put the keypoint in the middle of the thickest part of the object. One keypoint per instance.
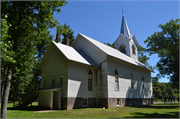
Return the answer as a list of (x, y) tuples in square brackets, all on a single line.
[(157, 93), (28, 20), (66, 32), (109, 44), (166, 44), (169, 90), (6, 51)]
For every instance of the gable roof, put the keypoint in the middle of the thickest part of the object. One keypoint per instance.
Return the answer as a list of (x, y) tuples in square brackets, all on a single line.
[(74, 54), (71, 54), (113, 52)]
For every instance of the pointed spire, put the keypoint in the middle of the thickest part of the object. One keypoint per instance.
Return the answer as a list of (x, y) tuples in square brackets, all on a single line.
[(124, 26)]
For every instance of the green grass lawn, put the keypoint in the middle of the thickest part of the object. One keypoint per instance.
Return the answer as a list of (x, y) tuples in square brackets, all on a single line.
[(147, 111)]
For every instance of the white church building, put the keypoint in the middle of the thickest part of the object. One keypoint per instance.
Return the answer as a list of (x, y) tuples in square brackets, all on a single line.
[(91, 74)]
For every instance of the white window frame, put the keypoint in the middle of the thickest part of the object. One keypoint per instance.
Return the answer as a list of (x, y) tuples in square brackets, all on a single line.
[(131, 102), (54, 82), (133, 50), (118, 102), (132, 82), (149, 101), (83, 102), (90, 75), (143, 86), (139, 101), (61, 77), (123, 49), (116, 79)]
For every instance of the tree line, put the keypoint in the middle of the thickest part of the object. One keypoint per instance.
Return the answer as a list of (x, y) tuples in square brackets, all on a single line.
[(161, 90)]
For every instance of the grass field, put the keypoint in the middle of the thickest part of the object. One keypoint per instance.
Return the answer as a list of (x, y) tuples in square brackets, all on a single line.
[(158, 110)]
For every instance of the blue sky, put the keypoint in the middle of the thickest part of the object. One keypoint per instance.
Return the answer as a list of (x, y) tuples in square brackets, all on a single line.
[(101, 20)]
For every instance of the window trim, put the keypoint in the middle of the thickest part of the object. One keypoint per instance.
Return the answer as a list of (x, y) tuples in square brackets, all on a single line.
[(131, 101), (143, 84), (132, 82), (54, 82), (116, 79), (61, 85), (122, 49), (91, 75), (118, 100), (83, 102), (139, 102), (133, 49)]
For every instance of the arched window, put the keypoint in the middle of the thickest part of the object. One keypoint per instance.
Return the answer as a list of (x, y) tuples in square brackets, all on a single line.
[(143, 84), (123, 49), (132, 82), (133, 49), (90, 80), (116, 80)]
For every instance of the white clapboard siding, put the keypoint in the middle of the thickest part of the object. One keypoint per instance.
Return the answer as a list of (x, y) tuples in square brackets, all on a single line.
[(78, 81), (125, 82), (54, 67)]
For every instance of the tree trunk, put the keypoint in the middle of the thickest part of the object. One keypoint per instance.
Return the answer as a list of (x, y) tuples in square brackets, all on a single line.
[(14, 97), (6, 92), (3, 80)]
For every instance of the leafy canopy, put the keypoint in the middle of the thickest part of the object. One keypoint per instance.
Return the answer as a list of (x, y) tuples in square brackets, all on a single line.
[(166, 44)]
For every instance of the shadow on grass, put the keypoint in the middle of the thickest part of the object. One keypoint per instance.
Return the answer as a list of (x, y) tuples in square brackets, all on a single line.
[(154, 115), (29, 108), (159, 106)]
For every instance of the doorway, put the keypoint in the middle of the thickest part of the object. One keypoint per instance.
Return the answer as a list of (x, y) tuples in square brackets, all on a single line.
[(56, 100)]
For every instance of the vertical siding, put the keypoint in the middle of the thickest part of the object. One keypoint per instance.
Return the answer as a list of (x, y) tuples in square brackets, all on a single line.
[(124, 91), (102, 81), (55, 66), (78, 81)]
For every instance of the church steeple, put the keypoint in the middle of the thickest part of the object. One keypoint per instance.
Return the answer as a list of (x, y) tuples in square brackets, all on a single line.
[(124, 26)]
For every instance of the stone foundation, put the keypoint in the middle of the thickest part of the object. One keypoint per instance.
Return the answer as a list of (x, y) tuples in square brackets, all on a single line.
[(112, 102), (75, 103)]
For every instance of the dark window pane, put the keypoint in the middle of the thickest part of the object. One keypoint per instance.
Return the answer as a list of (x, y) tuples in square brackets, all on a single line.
[(116, 72), (90, 72)]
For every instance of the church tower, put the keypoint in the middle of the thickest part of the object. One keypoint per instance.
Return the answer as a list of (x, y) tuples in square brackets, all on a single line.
[(126, 42)]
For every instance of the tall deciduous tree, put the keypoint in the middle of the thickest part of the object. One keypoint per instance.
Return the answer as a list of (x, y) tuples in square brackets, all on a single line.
[(28, 20), (143, 58), (166, 44)]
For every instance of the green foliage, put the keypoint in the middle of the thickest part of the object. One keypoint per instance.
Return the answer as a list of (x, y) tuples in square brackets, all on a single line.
[(24, 39), (111, 45), (166, 44), (66, 32), (142, 57), (160, 90), (6, 46)]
